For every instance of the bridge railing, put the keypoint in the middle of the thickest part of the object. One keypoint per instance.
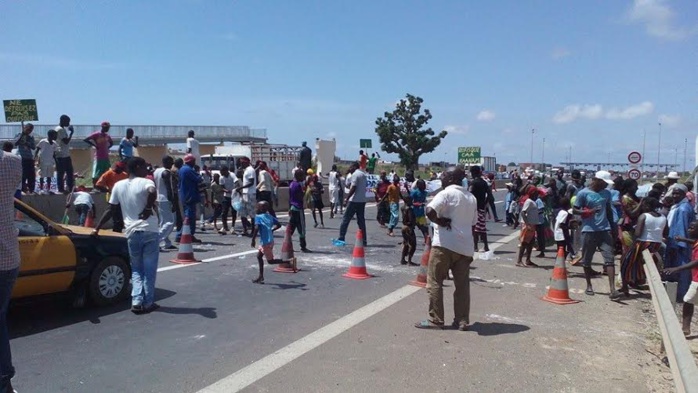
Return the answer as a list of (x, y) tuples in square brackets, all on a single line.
[(681, 360), (147, 132)]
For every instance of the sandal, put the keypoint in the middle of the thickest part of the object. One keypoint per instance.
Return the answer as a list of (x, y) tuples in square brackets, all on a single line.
[(519, 264), (589, 292), (258, 280), (531, 264), (427, 324)]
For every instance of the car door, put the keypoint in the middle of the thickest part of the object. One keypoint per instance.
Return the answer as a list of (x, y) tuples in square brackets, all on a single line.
[(48, 258)]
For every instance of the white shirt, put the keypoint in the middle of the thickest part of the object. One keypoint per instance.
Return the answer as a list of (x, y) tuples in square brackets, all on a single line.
[(63, 150), (46, 151), (228, 182), (266, 183), (249, 177), (531, 209), (333, 180), (560, 219), (132, 196), (458, 204), (83, 198), (193, 144), (653, 230), (160, 185)]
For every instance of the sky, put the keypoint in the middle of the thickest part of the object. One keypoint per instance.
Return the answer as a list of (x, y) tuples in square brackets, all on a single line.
[(589, 76)]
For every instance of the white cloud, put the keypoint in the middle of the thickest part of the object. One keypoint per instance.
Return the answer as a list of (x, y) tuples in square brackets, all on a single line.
[(486, 115), (641, 109), (560, 53), (573, 112), (670, 120), (457, 130), (658, 19)]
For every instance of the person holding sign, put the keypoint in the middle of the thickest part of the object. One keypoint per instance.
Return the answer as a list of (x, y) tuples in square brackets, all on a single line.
[(102, 142), (25, 144), (64, 164)]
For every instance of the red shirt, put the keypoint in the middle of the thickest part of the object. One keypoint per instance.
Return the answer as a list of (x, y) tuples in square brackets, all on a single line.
[(363, 160)]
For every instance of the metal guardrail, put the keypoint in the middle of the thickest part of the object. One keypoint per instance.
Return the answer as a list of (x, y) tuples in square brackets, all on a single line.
[(152, 133), (681, 360)]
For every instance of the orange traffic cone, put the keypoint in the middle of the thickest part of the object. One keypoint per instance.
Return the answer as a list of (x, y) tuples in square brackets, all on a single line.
[(558, 292), (357, 270), (89, 221), (186, 251), (421, 280), (289, 260)]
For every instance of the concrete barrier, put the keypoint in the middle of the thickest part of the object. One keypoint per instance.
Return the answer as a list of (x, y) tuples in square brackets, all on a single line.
[(53, 206)]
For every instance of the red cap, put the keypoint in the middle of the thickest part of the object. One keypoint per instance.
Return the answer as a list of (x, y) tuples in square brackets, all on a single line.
[(189, 158)]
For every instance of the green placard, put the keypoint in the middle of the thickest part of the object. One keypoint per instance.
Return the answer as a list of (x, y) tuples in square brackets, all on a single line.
[(20, 110), (469, 155), (365, 143)]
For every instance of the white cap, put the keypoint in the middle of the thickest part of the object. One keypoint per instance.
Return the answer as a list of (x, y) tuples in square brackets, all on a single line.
[(604, 175), (673, 176)]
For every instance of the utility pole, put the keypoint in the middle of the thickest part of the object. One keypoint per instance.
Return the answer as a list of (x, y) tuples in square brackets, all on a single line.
[(659, 149), (533, 131), (685, 152), (644, 140), (542, 154)]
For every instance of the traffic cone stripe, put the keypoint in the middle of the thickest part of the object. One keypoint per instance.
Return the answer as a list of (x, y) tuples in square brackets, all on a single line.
[(185, 254), (558, 291), (421, 280), (357, 270), (289, 265)]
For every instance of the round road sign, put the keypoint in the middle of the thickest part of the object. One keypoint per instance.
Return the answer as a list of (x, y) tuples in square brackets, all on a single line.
[(634, 157), (634, 174)]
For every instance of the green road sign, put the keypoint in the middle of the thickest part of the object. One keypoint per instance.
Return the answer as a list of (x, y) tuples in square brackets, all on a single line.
[(469, 155), (20, 110), (365, 143)]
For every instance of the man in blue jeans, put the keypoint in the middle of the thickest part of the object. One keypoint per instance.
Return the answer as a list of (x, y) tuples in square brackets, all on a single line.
[(136, 198), (356, 203), (190, 194), (11, 169)]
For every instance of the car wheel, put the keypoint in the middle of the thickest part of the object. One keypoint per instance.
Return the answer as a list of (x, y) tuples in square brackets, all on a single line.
[(109, 281)]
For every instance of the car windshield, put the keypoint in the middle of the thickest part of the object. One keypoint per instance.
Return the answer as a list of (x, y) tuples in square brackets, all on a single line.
[(27, 226)]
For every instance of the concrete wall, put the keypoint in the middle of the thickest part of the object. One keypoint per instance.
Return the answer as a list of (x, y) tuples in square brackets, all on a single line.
[(53, 206)]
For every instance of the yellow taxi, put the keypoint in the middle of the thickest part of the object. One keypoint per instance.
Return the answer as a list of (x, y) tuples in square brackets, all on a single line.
[(66, 259)]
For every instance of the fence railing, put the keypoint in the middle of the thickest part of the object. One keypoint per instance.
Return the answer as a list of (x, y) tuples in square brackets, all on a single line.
[(681, 360), (150, 132)]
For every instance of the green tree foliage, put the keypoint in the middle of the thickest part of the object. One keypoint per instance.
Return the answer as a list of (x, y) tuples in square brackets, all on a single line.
[(402, 131)]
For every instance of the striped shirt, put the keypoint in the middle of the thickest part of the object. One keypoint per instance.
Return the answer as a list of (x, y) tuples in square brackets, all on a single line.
[(11, 169)]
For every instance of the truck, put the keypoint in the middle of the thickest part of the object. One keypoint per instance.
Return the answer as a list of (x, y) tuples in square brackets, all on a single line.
[(281, 158)]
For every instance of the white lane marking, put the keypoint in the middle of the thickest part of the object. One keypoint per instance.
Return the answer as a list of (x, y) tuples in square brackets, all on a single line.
[(270, 363), (214, 259), (228, 256), (265, 366), (500, 243)]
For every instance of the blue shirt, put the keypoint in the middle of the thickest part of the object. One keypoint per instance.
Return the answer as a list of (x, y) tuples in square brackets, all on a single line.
[(265, 222), (541, 211), (420, 197), (126, 147), (617, 210), (681, 218), (189, 185), (601, 200)]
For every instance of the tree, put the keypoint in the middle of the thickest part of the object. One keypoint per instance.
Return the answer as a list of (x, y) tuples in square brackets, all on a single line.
[(512, 164), (401, 131)]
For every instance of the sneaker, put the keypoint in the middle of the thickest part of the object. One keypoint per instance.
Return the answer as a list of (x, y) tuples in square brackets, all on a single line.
[(223, 232), (170, 247), (339, 243), (195, 240), (151, 308), (137, 309)]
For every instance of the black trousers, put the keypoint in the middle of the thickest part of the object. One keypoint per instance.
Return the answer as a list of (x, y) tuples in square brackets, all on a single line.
[(28, 175), (65, 174)]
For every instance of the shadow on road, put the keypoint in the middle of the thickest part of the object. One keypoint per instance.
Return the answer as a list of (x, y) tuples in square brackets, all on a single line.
[(284, 286), (206, 312), (39, 316), (496, 328)]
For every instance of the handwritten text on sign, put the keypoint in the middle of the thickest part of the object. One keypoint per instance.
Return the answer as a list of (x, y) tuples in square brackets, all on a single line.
[(20, 110), (469, 155)]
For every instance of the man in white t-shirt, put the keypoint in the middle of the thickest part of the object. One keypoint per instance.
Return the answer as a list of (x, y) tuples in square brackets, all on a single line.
[(230, 183), (136, 197), (193, 146), (45, 151), (167, 202), (248, 189), (454, 213)]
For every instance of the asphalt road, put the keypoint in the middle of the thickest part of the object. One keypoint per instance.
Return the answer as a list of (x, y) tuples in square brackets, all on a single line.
[(317, 331)]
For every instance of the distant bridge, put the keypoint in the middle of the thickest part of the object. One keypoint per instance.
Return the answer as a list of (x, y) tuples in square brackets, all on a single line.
[(152, 135)]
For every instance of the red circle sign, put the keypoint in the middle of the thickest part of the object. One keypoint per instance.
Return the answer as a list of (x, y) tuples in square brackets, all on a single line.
[(634, 157), (634, 174)]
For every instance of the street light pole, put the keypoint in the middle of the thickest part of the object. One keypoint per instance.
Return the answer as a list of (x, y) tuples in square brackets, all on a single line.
[(685, 152), (659, 149), (644, 139), (542, 154), (533, 131)]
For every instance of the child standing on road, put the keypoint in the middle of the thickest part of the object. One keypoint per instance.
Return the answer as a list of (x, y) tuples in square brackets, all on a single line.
[(562, 228), (316, 191), (265, 224), (393, 196), (409, 239), (419, 202), (690, 300), (217, 196)]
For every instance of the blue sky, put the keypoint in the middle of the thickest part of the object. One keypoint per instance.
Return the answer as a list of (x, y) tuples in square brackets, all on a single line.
[(590, 74)]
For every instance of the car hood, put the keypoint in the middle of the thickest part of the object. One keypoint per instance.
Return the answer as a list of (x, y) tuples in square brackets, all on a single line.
[(78, 230)]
